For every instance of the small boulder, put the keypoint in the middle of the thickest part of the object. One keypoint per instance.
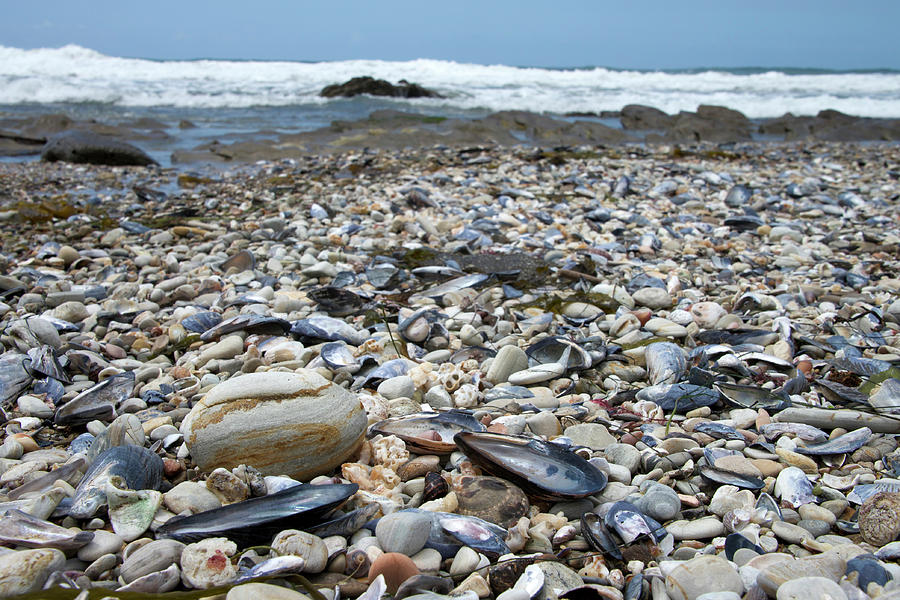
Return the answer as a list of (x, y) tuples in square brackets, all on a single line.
[(84, 147), (377, 87)]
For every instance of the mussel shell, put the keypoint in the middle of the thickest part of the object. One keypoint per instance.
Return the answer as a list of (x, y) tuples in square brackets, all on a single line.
[(242, 261), (337, 301), (665, 363), (444, 425), (97, 402), (736, 541), (337, 355), (21, 529), (720, 476), (258, 324), (258, 520), (138, 467), (44, 363), (454, 285), (14, 376), (680, 397), (597, 535), (347, 524), (843, 444), (543, 470), (630, 523), (552, 349), (201, 321), (748, 396), (327, 328)]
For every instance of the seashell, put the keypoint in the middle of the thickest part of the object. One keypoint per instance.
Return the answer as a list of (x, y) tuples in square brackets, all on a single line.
[(389, 451), (157, 582), (793, 487), (20, 529), (595, 532), (429, 433), (665, 363), (248, 323), (435, 486), (327, 328), (543, 470), (337, 355), (97, 402), (492, 499), (879, 518), (130, 511), (336, 301), (453, 285), (843, 444), (242, 261), (679, 397), (258, 519), (201, 322), (45, 364), (139, 469), (358, 562), (345, 525)]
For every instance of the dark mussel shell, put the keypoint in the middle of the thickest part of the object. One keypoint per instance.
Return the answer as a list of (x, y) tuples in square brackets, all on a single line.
[(242, 261), (336, 301), (137, 466), (598, 536), (429, 433), (722, 477), (630, 523), (97, 402), (201, 322), (543, 470), (45, 364), (258, 324), (843, 444), (258, 520), (750, 396)]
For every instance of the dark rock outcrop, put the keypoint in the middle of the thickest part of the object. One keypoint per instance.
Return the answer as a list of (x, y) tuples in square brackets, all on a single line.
[(715, 124), (377, 87), (638, 116), (85, 147)]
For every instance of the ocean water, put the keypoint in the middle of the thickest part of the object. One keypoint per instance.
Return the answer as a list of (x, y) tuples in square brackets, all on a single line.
[(229, 98)]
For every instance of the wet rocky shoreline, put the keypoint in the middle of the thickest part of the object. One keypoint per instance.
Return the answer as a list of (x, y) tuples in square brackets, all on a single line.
[(179, 141), (638, 371)]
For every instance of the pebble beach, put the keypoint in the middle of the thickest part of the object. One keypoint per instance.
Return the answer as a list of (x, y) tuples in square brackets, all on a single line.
[(479, 371)]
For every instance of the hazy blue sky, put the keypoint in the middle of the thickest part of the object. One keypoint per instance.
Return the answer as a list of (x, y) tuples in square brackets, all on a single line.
[(625, 33)]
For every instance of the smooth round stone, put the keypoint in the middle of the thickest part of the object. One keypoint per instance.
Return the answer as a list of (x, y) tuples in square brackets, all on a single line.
[(624, 455), (227, 347), (805, 588), (150, 558), (660, 502), (101, 565), (192, 496), (665, 327), (792, 534), (103, 542), (719, 596), (702, 575), (427, 560), (31, 406), (297, 424), (699, 529), (543, 423), (72, 311), (828, 565), (309, 547), (510, 359), (707, 314), (397, 387), (403, 532), (438, 397), (868, 570), (27, 570), (492, 499), (592, 435), (652, 297), (814, 526), (263, 591), (744, 555)]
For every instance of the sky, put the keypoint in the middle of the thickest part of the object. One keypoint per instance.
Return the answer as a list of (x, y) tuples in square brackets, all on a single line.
[(627, 34)]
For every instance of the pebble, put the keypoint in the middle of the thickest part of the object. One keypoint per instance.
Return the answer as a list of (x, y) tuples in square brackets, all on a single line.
[(26, 571), (810, 587), (702, 575), (207, 563), (403, 533), (263, 591)]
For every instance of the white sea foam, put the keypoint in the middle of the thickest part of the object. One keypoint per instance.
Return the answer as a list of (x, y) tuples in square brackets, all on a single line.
[(73, 74)]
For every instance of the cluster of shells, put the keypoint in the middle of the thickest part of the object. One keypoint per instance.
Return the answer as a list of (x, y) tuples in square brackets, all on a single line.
[(622, 375)]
